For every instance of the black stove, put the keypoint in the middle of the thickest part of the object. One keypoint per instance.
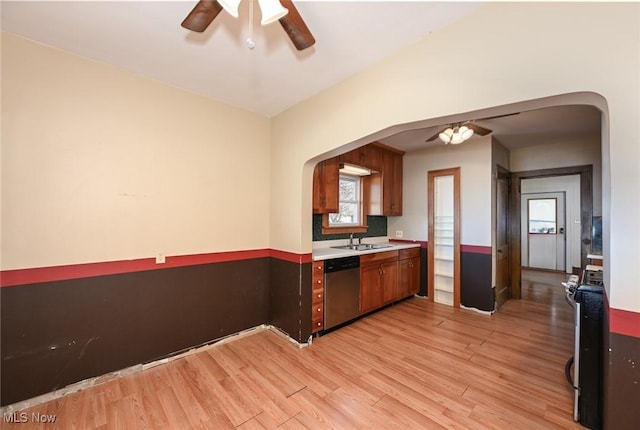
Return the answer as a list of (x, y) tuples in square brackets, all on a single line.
[(587, 361)]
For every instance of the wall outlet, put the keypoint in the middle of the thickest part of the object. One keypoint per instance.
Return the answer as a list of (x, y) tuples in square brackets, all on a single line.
[(399, 234), (160, 258)]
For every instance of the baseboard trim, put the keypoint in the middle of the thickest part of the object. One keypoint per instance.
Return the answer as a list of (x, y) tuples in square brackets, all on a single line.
[(99, 380)]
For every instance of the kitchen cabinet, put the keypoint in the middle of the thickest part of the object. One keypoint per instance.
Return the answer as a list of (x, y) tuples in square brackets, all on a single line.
[(391, 184), (378, 280), (409, 272), (326, 182), (369, 156), (317, 297), (385, 187)]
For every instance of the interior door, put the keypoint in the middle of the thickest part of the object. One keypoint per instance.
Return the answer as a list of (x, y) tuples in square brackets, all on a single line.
[(444, 236), (503, 268), (543, 231)]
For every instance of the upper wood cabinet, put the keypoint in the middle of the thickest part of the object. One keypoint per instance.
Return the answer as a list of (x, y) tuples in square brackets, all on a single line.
[(326, 179), (369, 156), (391, 184), (383, 188)]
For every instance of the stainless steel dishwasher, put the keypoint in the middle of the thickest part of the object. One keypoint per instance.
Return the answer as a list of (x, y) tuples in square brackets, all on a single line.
[(341, 290)]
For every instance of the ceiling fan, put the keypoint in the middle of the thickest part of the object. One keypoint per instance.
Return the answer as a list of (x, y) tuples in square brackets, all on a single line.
[(206, 10), (459, 132)]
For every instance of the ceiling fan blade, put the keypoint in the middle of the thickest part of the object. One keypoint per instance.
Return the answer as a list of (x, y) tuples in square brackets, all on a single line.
[(478, 129), (295, 27), (435, 136), (201, 15), (498, 116)]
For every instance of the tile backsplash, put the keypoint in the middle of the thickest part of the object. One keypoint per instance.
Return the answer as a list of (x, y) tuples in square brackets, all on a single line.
[(377, 226)]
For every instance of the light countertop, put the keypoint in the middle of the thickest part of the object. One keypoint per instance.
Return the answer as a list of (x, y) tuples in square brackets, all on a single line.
[(321, 252)]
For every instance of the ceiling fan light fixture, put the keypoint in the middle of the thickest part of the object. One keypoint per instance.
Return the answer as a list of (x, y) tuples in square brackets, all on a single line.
[(446, 135), (465, 132), (231, 6), (272, 10), (457, 137)]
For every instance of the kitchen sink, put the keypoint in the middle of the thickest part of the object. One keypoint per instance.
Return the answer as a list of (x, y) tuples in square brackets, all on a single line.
[(362, 246)]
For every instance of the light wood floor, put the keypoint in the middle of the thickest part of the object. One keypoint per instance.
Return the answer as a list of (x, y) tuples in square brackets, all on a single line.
[(415, 365)]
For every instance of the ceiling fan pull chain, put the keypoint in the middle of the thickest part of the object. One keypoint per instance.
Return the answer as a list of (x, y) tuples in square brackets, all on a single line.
[(250, 42)]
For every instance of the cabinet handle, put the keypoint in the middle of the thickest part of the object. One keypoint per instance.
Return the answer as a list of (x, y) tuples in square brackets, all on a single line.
[(319, 281), (319, 309), (319, 324), (319, 295)]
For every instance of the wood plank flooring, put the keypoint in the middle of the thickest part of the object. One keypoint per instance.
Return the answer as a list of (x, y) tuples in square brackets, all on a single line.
[(414, 365)]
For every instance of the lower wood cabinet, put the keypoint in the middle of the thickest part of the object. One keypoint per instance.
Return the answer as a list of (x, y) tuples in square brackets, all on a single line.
[(409, 272), (378, 280), (317, 297), (386, 277)]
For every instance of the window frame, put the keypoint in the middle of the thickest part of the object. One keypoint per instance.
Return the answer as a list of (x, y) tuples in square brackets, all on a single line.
[(361, 226)]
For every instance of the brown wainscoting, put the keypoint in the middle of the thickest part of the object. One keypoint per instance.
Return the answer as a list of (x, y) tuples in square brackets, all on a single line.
[(290, 298), (475, 277), (621, 376), (623, 380), (61, 332)]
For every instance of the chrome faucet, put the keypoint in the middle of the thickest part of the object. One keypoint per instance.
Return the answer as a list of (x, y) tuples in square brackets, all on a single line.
[(351, 239)]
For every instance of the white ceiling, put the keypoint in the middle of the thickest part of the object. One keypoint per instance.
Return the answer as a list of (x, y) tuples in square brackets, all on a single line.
[(146, 38)]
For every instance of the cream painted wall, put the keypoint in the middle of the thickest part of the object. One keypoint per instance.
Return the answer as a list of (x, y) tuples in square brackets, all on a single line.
[(508, 60), (101, 165), (573, 151), (474, 159)]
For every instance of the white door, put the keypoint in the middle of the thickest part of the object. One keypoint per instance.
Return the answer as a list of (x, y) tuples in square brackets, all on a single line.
[(543, 231)]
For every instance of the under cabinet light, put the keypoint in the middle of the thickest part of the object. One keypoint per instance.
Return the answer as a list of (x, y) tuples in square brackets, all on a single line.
[(351, 169)]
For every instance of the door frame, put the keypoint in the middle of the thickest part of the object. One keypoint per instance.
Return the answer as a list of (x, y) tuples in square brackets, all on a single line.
[(586, 215), (431, 175), (559, 197), (503, 174)]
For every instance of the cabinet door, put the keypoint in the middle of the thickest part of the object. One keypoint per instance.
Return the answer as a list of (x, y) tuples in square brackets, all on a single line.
[(389, 281), (408, 277), (372, 157), (391, 184), (354, 157), (317, 297), (370, 288), (404, 278), (326, 181), (414, 276)]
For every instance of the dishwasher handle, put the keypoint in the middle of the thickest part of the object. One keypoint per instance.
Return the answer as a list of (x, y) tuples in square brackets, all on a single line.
[(344, 263)]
